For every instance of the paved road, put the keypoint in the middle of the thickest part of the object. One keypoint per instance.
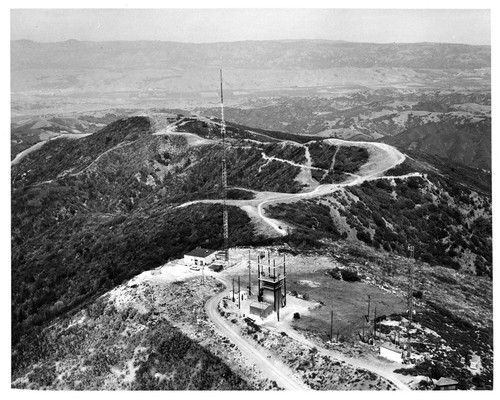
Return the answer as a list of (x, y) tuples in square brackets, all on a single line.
[(273, 369)]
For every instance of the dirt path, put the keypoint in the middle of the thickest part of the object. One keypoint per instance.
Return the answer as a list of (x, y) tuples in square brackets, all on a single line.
[(39, 145), (382, 157), (377, 367), (273, 368)]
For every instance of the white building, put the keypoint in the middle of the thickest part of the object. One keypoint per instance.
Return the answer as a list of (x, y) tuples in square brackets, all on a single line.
[(475, 364), (391, 352), (243, 294), (199, 257)]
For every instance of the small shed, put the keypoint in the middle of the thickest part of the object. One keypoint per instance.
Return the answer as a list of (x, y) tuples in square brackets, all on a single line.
[(446, 384), (243, 294), (199, 256), (391, 352), (261, 309), (475, 363)]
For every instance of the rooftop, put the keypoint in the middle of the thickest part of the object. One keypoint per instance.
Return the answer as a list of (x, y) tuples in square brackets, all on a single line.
[(262, 306), (199, 252), (446, 381), (391, 347)]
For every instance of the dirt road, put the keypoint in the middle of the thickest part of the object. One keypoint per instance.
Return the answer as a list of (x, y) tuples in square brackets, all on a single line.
[(38, 145), (377, 367), (274, 369), (382, 157)]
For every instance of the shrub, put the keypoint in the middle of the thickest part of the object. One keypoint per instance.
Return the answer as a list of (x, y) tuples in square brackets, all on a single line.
[(350, 275), (296, 315)]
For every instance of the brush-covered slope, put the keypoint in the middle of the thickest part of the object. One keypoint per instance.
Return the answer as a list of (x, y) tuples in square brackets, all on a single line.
[(88, 214), (443, 209), (467, 143)]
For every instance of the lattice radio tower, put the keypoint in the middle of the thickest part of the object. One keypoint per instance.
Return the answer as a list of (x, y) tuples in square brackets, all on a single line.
[(411, 249), (225, 229)]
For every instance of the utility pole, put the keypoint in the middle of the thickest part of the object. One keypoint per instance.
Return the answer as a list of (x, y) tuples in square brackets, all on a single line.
[(284, 281), (249, 276), (258, 278), (367, 317), (278, 311), (225, 227), (375, 323), (331, 325), (239, 293), (233, 290)]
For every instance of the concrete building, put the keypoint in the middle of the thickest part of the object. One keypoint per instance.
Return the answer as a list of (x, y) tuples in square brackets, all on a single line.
[(199, 257), (391, 352), (446, 384), (475, 363), (262, 310)]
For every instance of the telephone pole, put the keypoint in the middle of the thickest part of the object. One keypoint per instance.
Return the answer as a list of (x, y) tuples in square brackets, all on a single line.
[(249, 276), (331, 325)]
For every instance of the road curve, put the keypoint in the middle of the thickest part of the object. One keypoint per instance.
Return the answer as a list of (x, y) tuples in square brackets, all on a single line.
[(382, 157), (274, 369)]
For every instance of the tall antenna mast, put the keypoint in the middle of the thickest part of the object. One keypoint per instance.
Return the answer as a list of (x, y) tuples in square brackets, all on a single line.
[(225, 229), (411, 249)]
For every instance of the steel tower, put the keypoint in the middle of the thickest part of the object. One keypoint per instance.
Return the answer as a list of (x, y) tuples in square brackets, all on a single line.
[(225, 228)]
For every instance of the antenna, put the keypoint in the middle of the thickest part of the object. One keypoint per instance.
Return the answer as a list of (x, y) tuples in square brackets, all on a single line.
[(225, 228), (411, 249)]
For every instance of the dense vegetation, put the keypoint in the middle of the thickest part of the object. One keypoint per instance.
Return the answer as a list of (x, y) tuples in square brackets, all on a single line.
[(448, 223), (81, 234), (443, 222), (104, 347), (337, 161), (463, 339)]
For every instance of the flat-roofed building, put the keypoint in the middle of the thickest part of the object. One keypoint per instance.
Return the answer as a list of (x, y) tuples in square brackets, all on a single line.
[(391, 352), (199, 257)]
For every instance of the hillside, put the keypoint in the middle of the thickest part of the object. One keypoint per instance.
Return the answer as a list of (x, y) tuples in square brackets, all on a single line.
[(452, 124), (467, 143), (138, 193)]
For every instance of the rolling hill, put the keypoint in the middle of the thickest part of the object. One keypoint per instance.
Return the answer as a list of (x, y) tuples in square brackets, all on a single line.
[(137, 194)]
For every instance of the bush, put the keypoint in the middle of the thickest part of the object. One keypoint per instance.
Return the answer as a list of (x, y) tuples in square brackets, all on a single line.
[(350, 275), (296, 315), (334, 273)]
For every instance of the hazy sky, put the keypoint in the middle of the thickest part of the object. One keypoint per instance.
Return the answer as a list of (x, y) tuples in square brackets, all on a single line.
[(222, 25)]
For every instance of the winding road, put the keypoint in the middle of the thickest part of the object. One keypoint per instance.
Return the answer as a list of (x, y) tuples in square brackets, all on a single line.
[(382, 157)]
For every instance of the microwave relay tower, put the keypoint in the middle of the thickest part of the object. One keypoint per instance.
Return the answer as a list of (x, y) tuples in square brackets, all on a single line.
[(225, 228)]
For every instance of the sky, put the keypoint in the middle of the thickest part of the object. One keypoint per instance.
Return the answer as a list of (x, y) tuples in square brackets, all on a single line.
[(469, 26)]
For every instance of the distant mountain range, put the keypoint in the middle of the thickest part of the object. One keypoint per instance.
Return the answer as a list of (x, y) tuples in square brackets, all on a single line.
[(301, 54), (134, 71)]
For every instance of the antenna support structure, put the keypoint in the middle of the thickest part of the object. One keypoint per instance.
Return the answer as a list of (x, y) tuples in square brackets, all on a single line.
[(225, 226)]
